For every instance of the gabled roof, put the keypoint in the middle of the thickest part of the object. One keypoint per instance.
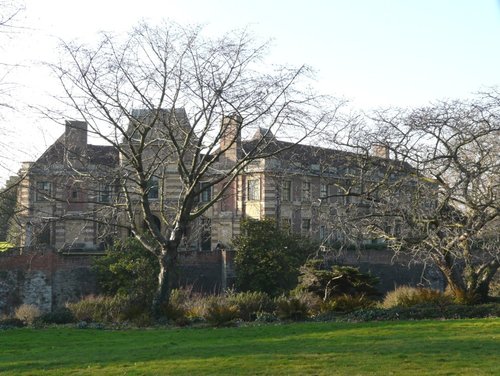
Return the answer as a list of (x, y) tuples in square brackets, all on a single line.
[(307, 155), (103, 155)]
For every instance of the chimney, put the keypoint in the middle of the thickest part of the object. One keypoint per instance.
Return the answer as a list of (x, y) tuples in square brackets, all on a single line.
[(231, 136), (380, 150), (75, 136)]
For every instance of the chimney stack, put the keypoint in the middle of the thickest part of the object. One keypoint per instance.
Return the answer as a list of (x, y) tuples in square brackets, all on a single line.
[(380, 150), (75, 136), (231, 136)]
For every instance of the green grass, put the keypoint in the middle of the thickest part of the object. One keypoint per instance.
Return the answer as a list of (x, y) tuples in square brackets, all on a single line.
[(455, 347)]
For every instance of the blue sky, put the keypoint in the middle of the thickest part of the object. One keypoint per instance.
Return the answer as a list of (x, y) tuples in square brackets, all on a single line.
[(376, 53)]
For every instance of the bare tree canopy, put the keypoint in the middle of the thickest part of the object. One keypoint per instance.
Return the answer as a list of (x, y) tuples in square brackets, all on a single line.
[(445, 209), (176, 106)]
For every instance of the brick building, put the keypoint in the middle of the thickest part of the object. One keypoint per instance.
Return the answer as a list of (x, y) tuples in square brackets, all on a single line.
[(70, 204)]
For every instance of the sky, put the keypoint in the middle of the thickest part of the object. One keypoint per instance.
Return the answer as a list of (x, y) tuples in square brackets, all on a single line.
[(375, 53)]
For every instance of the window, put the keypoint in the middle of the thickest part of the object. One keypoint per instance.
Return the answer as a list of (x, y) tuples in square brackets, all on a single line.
[(43, 190), (44, 236), (323, 190), (322, 232), (153, 188), (253, 189), (306, 191), (306, 225), (104, 193), (206, 191), (287, 191)]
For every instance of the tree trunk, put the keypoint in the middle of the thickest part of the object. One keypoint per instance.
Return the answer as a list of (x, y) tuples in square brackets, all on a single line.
[(166, 280), (484, 280), (472, 287)]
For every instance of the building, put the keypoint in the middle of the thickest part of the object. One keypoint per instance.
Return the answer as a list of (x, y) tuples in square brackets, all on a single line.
[(67, 197), (64, 196), (70, 199)]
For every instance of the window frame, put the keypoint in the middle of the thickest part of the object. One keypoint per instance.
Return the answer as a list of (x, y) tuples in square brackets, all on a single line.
[(43, 193), (105, 190), (205, 191), (153, 188), (286, 191), (323, 191), (305, 229), (253, 189), (306, 190)]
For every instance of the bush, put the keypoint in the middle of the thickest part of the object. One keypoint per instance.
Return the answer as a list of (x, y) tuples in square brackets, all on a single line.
[(311, 300), (61, 315), (291, 309), (337, 280), (110, 309), (220, 312), (265, 317), (91, 309), (129, 270), (347, 303), (268, 259), (11, 322), (406, 296), (423, 312), (250, 303), (27, 313)]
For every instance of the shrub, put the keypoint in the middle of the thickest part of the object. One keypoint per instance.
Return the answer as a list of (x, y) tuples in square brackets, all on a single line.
[(291, 309), (312, 301), (27, 313), (462, 296), (347, 303), (250, 303), (426, 312), (267, 258), (405, 296), (326, 283), (91, 309), (61, 315), (109, 309), (175, 313), (11, 322), (220, 312), (265, 317), (129, 270)]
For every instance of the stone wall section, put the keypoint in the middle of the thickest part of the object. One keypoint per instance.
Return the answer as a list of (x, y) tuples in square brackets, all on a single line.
[(43, 278)]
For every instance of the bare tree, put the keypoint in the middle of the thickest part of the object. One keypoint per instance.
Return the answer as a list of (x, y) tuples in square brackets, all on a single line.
[(9, 11), (438, 199), (175, 105)]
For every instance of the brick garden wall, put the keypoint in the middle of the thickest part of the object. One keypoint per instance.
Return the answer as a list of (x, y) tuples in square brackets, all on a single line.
[(43, 278), (48, 279), (391, 271)]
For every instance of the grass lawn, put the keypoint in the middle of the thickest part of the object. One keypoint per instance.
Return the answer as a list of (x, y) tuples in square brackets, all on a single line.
[(455, 347)]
